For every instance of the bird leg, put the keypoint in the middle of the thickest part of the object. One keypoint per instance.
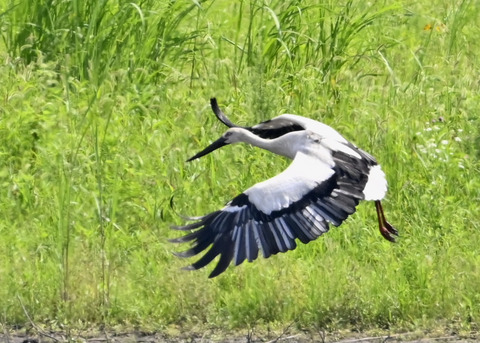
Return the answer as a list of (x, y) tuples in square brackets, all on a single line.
[(386, 229)]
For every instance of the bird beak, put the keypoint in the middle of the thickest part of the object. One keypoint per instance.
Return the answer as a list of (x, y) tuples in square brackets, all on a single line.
[(212, 147)]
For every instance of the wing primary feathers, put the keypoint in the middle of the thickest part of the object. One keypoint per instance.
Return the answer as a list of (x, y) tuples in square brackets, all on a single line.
[(317, 225), (199, 222), (226, 255), (306, 226), (219, 222), (269, 237), (241, 245), (338, 212), (347, 205), (281, 223), (252, 245), (187, 238), (201, 245), (347, 190), (208, 257), (312, 214), (323, 223), (189, 227), (302, 234), (276, 236), (261, 241), (313, 226), (325, 213), (285, 234)]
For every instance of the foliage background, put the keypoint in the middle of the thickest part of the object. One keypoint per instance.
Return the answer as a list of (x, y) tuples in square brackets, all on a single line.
[(102, 103)]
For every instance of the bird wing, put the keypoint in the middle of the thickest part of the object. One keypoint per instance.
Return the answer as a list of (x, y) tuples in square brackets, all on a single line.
[(297, 203), (275, 127), (220, 115), (269, 129)]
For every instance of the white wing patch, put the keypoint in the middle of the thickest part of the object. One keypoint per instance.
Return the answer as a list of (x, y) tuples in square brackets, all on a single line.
[(279, 192)]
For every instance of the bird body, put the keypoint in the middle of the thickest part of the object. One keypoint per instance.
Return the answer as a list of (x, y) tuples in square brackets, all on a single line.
[(324, 183)]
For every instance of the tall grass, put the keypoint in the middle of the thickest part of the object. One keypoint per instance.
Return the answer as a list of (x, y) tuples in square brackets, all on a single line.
[(103, 102), (92, 38)]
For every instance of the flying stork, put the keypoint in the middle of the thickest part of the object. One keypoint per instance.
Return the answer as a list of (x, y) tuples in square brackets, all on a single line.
[(325, 182)]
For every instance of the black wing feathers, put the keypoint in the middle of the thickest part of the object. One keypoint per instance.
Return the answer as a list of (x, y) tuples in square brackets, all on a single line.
[(269, 129), (219, 113), (240, 230), (275, 128)]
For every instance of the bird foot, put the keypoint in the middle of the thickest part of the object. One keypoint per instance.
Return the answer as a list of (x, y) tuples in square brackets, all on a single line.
[(386, 229), (388, 232)]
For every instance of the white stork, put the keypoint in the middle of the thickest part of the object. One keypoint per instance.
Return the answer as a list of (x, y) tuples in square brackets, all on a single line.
[(324, 183)]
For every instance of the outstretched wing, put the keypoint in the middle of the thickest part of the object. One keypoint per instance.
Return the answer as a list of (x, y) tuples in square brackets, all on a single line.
[(271, 215)]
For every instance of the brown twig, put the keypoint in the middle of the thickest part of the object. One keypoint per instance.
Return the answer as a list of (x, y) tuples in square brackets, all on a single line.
[(284, 332), (35, 326)]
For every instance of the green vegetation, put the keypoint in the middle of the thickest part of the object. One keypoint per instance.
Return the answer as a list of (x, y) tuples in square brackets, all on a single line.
[(102, 103)]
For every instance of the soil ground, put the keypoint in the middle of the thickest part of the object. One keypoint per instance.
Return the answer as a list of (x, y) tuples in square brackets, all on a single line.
[(208, 337)]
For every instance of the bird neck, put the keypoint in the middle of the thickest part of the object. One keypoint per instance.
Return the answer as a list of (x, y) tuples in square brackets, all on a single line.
[(283, 145)]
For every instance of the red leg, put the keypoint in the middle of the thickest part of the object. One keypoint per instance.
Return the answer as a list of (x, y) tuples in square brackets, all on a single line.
[(386, 229)]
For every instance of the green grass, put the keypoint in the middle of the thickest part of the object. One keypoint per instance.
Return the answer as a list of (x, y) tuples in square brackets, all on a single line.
[(101, 106)]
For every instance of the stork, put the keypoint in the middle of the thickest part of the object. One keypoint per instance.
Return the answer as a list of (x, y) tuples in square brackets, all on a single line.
[(323, 185)]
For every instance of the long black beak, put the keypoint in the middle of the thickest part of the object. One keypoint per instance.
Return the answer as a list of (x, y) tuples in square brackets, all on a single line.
[(212, 147), (221, 141)]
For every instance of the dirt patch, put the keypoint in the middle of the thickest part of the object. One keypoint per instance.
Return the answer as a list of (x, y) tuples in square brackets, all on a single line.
[(208, 337)]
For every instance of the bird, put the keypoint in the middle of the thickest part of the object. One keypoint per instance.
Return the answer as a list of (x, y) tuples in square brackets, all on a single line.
[(323, 185)]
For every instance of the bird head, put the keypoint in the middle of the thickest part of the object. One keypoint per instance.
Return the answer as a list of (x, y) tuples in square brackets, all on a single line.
[(232, 135)]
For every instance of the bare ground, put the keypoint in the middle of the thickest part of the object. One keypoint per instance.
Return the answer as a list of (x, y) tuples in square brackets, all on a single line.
[(40, 336)]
